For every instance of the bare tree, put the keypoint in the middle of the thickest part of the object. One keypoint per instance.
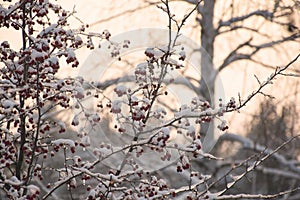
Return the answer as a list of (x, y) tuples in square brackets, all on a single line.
[(249, 22), (254, 28), (41, 158)]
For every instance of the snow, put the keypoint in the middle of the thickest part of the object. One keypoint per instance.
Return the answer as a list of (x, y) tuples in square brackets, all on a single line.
[(184, 110), (60, 123), (13, 181), (152, 52), (146, 101), (48, 29), (79, 92), (35, 55), (161, 110), (42, 11), (108, 177), (116, 106), (8, 104), (86, 140), (187, 112), (182, 55), (102, 152), (141, 68), (212, 195), (165, 131), (70, 33), (63, 141), (95, 117), (120, 90), (53, 60), (78, 38), (92, 193), (71, 53), (75, 121), (171, 61), (33, 189), (191, 130)]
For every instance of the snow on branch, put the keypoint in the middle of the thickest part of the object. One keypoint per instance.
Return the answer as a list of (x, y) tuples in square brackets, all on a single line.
[(253, 196), (278, 72), (249, 144), (265, 154)]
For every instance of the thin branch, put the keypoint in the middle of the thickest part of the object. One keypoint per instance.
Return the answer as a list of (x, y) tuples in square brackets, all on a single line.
[(123, 13), (235, 55), (277, 72), (263, 13), (265, 170), (249, 144), (238, 27), (257, 196), (252, 167)]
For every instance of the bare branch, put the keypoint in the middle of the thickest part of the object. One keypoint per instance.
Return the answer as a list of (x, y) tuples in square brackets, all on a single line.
[(124, 13), (252, 167), (249, 144), (257, 196), (277, 72), (266, 170), (263, 13), (235, 55)]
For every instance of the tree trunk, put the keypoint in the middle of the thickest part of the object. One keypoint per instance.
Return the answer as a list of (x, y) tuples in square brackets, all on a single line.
[(207, 81)]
